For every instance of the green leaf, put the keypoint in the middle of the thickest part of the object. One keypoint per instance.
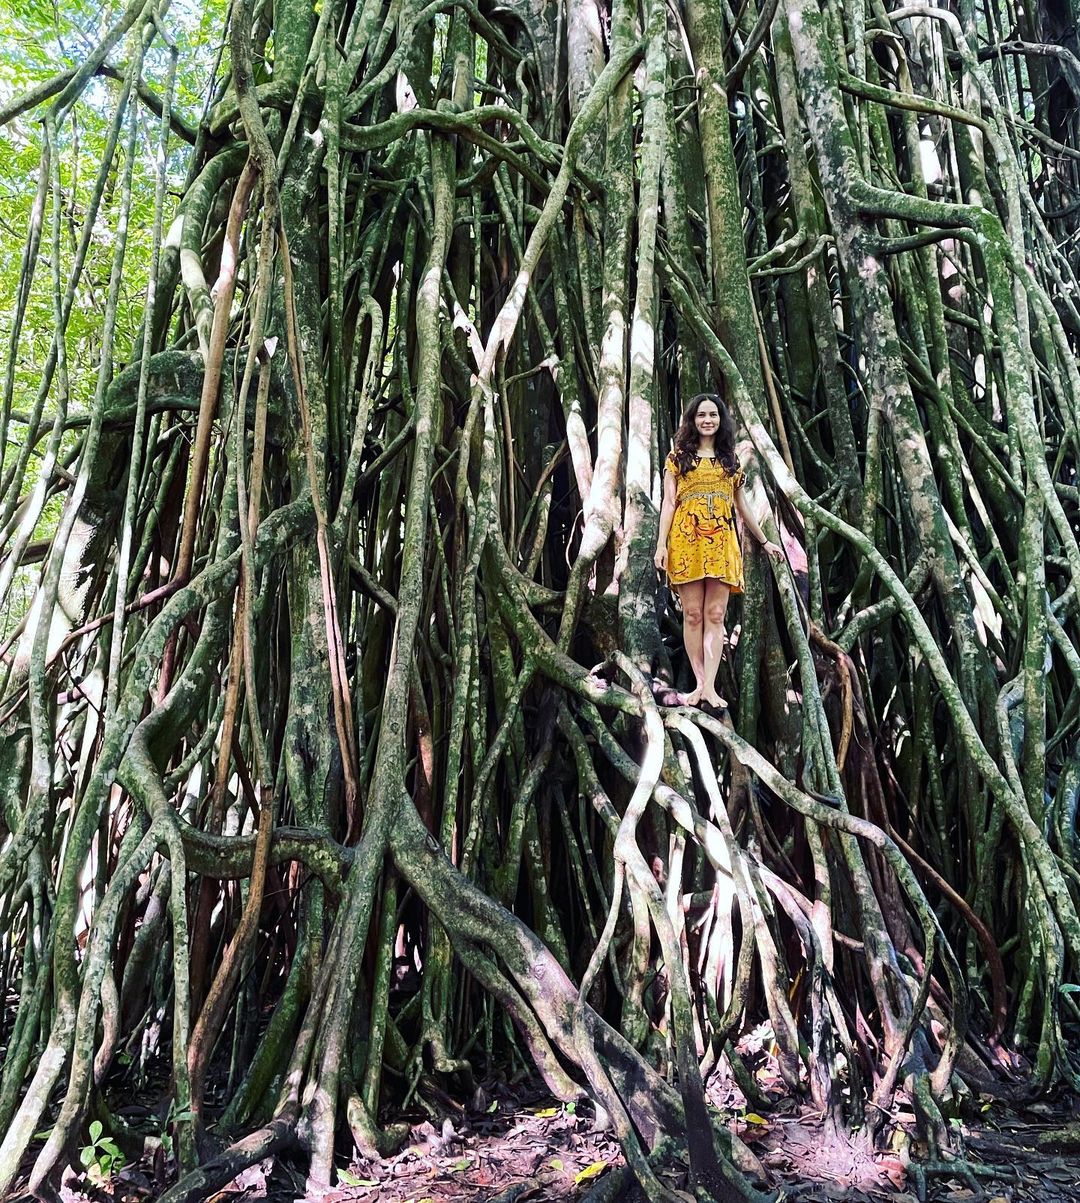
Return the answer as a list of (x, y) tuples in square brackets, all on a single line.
[(350, 1179), (590, 1171), (87, 1155), (96, 1130), (462, 1163)]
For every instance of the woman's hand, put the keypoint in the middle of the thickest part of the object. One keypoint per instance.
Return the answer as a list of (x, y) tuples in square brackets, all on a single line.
[(772, 549), (660, 559)]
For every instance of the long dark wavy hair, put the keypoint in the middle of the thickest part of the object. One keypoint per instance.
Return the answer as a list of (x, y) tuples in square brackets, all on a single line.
[(687, 437)]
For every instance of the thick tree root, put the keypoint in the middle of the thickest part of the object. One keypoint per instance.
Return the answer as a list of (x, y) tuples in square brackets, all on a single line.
[(967, 1171), (278, 1136)]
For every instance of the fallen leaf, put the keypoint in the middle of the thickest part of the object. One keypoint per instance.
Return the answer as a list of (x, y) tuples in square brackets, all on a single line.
[(556, 1163), (546, 1113), (348, 1178), (893, 1168), (590, 1171), (751, 1117)]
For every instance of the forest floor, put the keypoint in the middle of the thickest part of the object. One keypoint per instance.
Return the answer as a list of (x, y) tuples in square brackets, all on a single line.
[(516, 1145)]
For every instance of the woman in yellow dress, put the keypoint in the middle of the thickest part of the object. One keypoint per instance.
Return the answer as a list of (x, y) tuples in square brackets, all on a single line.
[(698, 545)]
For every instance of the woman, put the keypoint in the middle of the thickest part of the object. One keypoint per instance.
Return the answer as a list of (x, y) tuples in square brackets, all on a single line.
[(698, 545)]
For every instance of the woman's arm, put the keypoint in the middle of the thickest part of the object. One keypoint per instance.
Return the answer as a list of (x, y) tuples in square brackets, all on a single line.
[(751, 523), (667, 513)]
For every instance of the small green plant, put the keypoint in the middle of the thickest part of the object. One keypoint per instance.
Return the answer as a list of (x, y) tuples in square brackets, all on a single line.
[(172, 1118), (102, 1157)]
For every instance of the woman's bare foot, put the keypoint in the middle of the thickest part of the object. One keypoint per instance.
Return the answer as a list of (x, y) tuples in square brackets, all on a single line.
[(714, 700), (693, 697)]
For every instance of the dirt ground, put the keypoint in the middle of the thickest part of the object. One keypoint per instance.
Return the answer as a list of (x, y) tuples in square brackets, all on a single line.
[(516, 1145)]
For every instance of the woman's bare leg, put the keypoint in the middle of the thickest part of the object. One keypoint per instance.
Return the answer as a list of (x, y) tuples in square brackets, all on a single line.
[(713, 637), (692, 599)]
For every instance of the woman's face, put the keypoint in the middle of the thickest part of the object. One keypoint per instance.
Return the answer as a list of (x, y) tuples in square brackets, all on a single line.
[(707, 418)]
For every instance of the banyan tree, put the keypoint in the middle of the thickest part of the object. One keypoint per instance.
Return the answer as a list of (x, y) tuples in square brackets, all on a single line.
[(340, 750)]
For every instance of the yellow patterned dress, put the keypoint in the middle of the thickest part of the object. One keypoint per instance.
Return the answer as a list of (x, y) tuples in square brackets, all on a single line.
[(703, 540)]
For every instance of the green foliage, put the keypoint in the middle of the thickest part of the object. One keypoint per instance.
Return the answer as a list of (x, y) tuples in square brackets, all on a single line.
[(39, 40), (102, 1157)]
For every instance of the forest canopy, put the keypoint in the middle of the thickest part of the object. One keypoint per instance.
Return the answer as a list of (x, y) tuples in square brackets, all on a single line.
[(342, 758)]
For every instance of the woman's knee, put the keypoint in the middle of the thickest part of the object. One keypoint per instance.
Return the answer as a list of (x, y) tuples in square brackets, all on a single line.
[(693, 614), (715, 613)]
